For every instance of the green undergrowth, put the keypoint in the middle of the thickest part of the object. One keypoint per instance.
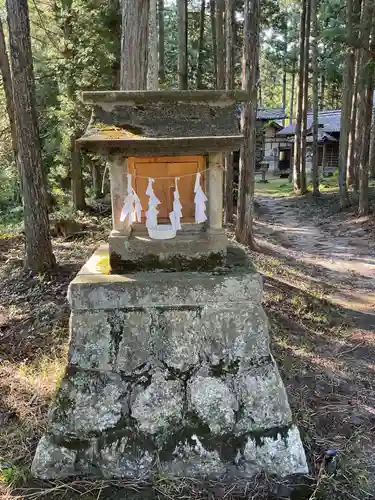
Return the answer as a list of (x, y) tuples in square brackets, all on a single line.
[(11, 222)]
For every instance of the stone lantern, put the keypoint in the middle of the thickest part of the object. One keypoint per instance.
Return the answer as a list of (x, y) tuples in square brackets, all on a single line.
[(169, 365)]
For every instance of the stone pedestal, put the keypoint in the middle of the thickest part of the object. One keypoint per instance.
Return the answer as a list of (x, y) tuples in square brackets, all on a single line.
[(169, 372)]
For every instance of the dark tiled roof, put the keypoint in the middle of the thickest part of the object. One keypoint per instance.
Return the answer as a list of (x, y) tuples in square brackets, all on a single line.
[(270, 114), (322, 137), (329, 122)]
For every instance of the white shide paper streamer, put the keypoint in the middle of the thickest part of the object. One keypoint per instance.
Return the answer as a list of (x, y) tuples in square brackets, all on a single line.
[(200, 201), (176, 214), (132, 208), (153, 202)]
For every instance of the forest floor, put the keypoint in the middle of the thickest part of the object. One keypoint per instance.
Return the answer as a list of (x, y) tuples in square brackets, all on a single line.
[(318, 266)]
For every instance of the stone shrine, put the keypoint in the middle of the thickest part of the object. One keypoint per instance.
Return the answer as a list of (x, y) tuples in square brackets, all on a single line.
[(169, 366)]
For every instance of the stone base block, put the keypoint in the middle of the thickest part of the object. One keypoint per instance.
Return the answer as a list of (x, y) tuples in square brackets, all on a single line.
[(195, 251), (170, 373)]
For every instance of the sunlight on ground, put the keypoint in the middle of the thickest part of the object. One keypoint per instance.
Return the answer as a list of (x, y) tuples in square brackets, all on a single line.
[(26, 391), (281, 187)]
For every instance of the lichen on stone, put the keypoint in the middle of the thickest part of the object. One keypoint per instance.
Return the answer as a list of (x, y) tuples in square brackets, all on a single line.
[(88, 402), (214, 402), (159, 407)]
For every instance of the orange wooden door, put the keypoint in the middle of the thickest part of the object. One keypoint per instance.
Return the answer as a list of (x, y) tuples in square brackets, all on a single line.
[(164, 170)]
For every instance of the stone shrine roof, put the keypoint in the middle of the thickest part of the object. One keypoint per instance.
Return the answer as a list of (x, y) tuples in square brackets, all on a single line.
[(163, 122)]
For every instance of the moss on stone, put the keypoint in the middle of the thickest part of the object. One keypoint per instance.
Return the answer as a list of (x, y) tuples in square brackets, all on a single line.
[(177, 263), (224, 368)]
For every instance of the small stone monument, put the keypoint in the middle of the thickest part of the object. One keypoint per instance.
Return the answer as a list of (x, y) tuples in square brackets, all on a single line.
[(169, 367)]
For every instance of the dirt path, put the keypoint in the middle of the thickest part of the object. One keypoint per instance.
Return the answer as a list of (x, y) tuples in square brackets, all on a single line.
[(334, 249), (319, 276)]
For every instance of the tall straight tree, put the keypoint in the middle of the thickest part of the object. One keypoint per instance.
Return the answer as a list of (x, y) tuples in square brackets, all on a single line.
[(360, 89), (201, 45), (220, 44), (213, 34), (365, 104), (372, 134), (250, 60), (301, 74), (346, 108), (7, 84), (350, 171), (161, 42), (305, 104), (292, 91), (372, 149), (134, 44), (39, 256), (182, 44), (315, 96), (285, 50), (229, 81), (153, 59), (68, 82)]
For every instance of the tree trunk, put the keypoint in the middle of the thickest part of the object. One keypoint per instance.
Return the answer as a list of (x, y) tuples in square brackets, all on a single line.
[(161, 42), (182, 45), (315, 97), (213, 33), (350, 174), (96, 179), (39, 256), (245, 212), (114, 25), (346, 109), (220, 44), (322, 91), (134, 44), (260, 95), (292, 90), (8, 91), (365, 104), (362, 60), (153, 62), (201, 45), (363, 174), (372, 150), (305, 104), (229, 82), (301, 71), (78, 187), (284, 94), (350, 168)]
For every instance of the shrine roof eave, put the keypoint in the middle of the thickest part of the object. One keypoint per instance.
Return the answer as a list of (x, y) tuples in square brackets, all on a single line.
[(161, 146), (134, 97)]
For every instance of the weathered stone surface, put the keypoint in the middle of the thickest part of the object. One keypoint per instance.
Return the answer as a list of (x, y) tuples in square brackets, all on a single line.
[(88, 402), (222, 335), (120, 460), (187, 251), (214, 403), (110, 341), (236, 284), (234, 333), (282, 455), (53, 461), (158, 408), (90, 345), (133, 334), (191, 459), (177, 339), (170, 373), (264, 403)]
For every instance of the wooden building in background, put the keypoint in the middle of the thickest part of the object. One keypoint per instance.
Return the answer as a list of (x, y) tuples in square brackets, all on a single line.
[(328, 142)]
